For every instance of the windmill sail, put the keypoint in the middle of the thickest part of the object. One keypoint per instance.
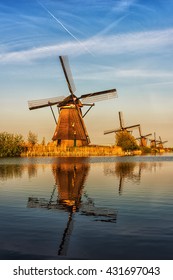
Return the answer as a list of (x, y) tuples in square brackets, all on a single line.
[(40, 103), (122, 127), (160, 143), (98, 96), (111, 131), (67, 72)]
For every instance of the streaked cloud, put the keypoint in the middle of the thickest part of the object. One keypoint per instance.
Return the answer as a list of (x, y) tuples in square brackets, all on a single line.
[(113, 73), (63, 26), (139, 42), (123, 5), (149, 73)]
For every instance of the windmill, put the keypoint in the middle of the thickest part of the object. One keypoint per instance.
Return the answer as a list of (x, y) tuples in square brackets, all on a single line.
[(70, 128), (143, 138), (160, 143), (122, 126), (70, 177), (153, 142)]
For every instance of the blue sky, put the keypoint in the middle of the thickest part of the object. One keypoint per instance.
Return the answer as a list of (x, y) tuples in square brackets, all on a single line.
[(122, 44)]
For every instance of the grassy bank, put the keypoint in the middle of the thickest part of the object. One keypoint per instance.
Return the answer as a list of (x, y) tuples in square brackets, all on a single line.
[(53, 150)]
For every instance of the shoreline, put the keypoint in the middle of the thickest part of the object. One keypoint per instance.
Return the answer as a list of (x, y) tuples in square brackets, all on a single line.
[(84, 151)]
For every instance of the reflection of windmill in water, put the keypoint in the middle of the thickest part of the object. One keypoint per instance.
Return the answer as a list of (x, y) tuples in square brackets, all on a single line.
[(70, 128), (143, 138), (70, 178), (122, 126), (125, 171)]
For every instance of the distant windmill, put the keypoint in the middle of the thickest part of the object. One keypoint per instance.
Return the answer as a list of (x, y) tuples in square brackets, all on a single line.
[(153, 142), (122, 126), (143, 138), (70, 128), (160, 143)]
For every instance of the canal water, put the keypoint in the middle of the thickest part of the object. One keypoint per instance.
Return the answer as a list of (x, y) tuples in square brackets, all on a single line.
[(87, 208)]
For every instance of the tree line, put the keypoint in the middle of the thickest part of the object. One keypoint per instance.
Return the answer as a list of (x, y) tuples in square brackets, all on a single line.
[(12, 145)]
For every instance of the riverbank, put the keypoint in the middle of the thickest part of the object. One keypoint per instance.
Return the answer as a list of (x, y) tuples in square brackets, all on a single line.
[(84, 151)]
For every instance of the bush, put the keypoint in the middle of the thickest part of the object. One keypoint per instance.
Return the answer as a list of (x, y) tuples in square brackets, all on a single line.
[(126, 141), (11, 145)]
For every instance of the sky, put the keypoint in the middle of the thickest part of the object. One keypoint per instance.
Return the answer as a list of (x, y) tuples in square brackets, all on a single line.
[(122, 44)]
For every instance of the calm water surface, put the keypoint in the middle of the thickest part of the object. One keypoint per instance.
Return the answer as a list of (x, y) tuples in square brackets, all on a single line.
[(86, 208)]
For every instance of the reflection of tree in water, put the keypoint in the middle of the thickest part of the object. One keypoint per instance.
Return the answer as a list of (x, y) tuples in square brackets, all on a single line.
[(32, 170), (10, 171), (70, 176)]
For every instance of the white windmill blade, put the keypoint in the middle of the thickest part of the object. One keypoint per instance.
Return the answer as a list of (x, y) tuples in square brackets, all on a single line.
[(68, 74), (40, 103), (98, 96)]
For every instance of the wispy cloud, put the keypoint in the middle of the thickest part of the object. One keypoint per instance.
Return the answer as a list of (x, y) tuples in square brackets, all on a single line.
[(140, 42), (123, 5), (134, 6), (111, 25), (143, 73), (111, 73), (65, 28)]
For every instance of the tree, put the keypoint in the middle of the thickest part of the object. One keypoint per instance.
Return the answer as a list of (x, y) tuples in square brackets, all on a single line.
[(126, 141), (32, 138), (11, 145)]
